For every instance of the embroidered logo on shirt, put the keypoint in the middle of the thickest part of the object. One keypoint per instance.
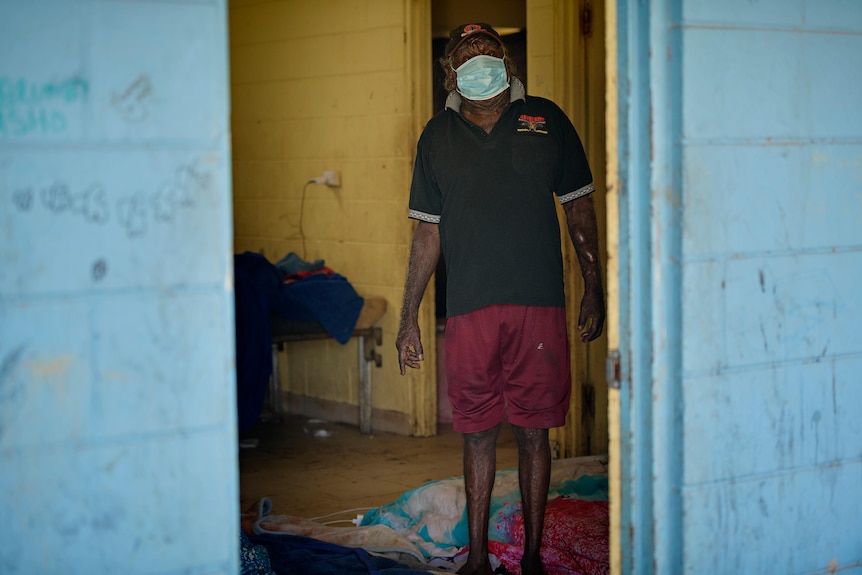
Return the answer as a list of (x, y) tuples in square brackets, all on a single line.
[(535, 124)]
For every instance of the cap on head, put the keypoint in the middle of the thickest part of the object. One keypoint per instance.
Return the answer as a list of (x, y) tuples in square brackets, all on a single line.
[(461, 33)]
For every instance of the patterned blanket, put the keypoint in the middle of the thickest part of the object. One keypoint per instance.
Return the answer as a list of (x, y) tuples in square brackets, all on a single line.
[(426, 528), (575, 538)]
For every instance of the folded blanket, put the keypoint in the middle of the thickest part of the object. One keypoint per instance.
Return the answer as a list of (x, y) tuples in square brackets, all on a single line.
[(327, 299)]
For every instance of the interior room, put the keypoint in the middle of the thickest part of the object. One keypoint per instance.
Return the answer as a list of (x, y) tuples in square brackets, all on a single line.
[(350, 98)]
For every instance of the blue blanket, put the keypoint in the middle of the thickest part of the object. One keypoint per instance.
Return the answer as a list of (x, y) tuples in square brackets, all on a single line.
[(329, 300), (259, 292), (295, 554)]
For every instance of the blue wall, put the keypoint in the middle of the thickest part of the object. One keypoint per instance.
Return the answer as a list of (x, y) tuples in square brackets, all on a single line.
[(771, 149), (740, 145), (117, 417)]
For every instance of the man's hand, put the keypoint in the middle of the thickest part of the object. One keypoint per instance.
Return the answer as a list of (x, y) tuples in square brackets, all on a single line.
[(409, 346), (592, 317), (424, 254), (583, 229)]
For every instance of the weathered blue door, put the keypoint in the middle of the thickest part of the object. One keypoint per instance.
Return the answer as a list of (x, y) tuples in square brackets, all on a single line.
[(117, 412), (739, 145)]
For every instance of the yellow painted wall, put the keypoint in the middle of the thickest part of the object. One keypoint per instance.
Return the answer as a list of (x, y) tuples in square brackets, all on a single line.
[(329, 85)]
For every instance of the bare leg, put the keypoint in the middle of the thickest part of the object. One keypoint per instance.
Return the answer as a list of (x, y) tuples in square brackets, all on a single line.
[(480, 466), (534, 475)]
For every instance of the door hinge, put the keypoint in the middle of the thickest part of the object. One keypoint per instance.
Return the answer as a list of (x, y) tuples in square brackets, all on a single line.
[(587, 20), (612, 366)]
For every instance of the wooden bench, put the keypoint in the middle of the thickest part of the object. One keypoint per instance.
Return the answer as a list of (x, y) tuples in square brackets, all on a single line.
[(370, 336)]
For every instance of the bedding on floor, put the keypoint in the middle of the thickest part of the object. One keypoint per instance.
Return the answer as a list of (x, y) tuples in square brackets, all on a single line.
[(293, 554), (426, 528)]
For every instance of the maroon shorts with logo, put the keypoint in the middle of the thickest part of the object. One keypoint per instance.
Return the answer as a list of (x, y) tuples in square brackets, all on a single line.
[(508, 359)]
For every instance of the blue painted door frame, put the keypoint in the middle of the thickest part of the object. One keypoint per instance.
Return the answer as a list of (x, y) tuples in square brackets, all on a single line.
[(649, 259)]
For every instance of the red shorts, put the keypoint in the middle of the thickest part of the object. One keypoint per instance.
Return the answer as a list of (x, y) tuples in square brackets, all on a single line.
[(508, 358)]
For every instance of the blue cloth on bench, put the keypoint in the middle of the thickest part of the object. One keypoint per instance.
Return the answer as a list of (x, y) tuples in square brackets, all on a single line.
[(329, 300)]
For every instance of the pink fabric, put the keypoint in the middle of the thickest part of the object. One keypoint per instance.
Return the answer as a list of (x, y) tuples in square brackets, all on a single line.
[(574, 542)]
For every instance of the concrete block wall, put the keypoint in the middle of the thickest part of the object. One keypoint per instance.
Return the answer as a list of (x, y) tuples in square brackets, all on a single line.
[(117, 412), (318, 86), (770, 168)]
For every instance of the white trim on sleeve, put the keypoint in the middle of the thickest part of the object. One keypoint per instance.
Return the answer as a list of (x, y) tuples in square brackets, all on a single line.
[(423, 217), (588, 189)]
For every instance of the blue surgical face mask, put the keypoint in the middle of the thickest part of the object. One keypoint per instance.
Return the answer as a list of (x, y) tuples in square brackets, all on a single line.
[(482, 77)]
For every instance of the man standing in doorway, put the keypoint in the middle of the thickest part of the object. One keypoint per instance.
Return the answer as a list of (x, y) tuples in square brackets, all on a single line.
[(488, 171)]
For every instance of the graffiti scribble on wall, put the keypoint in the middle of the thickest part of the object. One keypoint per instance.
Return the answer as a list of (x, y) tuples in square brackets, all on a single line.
[(132, 211), (29, 107), (132, 102)]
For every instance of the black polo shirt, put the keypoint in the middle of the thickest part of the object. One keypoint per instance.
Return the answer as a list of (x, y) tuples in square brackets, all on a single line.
[(493, 196)]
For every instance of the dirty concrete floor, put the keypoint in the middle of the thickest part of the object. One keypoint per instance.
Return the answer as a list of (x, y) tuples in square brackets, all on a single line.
[(310, 468)]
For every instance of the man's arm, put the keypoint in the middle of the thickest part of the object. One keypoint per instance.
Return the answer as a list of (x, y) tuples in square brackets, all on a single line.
[(583, 230), (424, 254)]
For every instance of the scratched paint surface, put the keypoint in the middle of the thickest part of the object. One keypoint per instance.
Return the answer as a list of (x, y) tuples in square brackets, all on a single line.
[(772, 353), (107, 213), (117, 385)]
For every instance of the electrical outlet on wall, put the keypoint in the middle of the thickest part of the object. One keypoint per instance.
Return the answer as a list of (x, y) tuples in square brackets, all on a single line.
[(332, 178)]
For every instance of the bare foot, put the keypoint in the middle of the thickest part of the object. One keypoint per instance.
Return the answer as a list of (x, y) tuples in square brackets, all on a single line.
[(480, 569), (531, 566)]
